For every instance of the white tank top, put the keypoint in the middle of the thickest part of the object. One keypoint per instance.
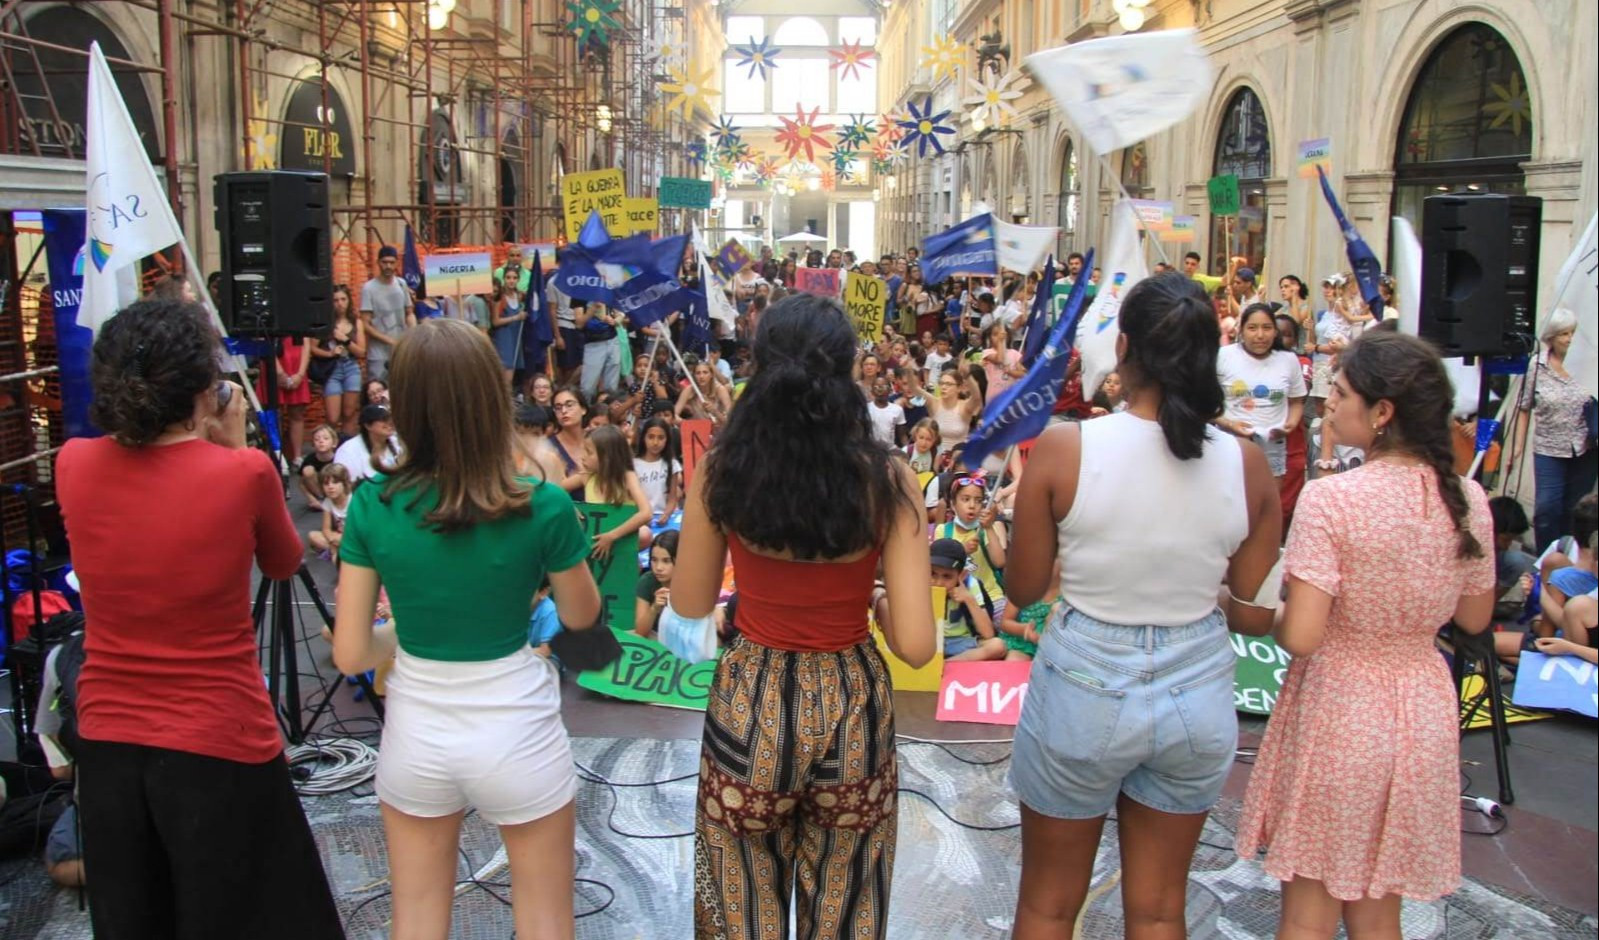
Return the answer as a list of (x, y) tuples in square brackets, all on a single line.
[(1149, 536)]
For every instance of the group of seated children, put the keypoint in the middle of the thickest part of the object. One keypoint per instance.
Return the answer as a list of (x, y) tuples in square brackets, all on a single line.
[(1560, 587)]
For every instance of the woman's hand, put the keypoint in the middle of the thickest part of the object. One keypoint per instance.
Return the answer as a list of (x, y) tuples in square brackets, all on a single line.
[(988, 516), (663, 596), (227, 427), (602, 545), (1556, 646)]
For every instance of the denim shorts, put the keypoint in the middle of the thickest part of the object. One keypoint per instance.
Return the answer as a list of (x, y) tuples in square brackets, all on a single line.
[(1146, 711), (956, 645), (345, 380)]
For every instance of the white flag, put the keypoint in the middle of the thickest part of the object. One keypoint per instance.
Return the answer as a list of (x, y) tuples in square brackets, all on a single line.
[(1101, 323), (1022, 248), (716, 298), (1467, 379), (1122, 89), (129, 217), (1577, 290)]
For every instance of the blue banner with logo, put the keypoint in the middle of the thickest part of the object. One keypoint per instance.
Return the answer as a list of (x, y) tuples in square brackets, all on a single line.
[(63, 249), (968, 248)]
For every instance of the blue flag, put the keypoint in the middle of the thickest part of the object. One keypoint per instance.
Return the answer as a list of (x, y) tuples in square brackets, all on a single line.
[(968, 248), (411, 266), (1037, 330), (697, 328), (64, 256), (538, 336), (1022, 411), (1368, 270), (633, 275)]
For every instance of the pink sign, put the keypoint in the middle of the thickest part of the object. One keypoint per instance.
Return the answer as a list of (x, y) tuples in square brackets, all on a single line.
[(986, 693), (820, 281)]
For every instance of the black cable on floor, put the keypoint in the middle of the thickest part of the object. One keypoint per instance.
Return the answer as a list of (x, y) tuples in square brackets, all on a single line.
[(947, 750), (959, 822)]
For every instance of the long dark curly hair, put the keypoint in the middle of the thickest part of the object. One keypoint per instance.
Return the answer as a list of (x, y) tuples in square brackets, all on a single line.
[(796, 468), (1407, 372), (148, 365)]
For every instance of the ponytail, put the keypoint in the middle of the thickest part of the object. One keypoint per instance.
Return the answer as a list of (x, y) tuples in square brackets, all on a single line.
[(1172, 341)]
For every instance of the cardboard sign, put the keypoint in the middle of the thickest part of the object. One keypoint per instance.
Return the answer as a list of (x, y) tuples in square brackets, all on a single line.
[(1184, 229), (680, 192), (1154, 216), (1224, 196), (820, 281), (455, 275), (1314, 153), (695, 437), (1258, 675), (649, 672), (986, 693), (1563, 682), (901, 675), (600, 190), (617, 574), (733, 258), (643, 215), (866, 302)]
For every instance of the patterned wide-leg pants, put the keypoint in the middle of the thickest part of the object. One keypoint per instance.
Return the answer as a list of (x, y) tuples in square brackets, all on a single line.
[(796, 797)]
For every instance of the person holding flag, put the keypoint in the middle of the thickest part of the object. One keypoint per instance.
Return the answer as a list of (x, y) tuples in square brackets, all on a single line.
[(1130, 702)]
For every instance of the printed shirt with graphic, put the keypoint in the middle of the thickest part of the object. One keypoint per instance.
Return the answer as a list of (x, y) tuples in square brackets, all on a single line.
[(654, 475), (1257, 391), (977, 564), (957, 620)]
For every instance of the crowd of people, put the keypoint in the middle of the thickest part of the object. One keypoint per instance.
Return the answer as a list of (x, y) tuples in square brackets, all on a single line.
[(837, 492)]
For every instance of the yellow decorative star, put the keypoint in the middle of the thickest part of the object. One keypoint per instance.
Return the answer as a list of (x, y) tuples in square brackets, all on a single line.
[(688, 89), (944, 56), (262, 149), (1513, 105)]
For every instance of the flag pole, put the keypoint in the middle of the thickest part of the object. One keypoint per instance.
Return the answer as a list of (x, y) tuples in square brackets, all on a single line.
[(1159, 248), (662, 332), (1512, 393)]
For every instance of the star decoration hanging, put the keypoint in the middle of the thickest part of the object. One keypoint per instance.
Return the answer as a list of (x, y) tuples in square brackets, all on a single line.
[(758, 56), (991, 97), (943, 56), (803, 133), (594, 19), (858, 132), (723, 131), (793, 178), (665, 50), (1512, 106), (696, 152), (851, 59), (841, 159), (923, 127), (881, 166), (767, 170), (263, 143), (888, 129), (829, 180), (749, 158), (733, 154), (688, 90)]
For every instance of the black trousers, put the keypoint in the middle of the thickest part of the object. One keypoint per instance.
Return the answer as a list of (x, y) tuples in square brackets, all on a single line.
[(183, 847)]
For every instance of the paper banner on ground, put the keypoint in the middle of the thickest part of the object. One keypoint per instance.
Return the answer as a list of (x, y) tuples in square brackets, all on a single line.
[(696, 437), (822, 282), (988, 693), (456, 275), (901, 675), (1258, 675), (733, 258), (1475, 713), (1314, 153), (1563, 682), (1223, 193), (866, 302), (616, 574), (1154, 215), (601, 191), (643, 215), (681, 192), (1184, 229), (544, 251), (649, 672)]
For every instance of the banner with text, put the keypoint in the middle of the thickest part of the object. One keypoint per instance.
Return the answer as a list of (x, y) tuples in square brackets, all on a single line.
[(986, 693), (643, 215), (455, 275), (1314, 153), (601, 191), (1563, 682), (1258, 676), (64, 256), (822, 282), (1223, 194), (1184, 229), (866, 302), (1153, 215), (649, 672), (681, 192), (616, 574), (733, 258)]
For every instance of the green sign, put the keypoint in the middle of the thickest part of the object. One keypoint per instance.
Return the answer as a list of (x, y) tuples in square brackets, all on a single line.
[(1258, 678), (649, 672), (617, 574), (680, 192), (1224, 197)]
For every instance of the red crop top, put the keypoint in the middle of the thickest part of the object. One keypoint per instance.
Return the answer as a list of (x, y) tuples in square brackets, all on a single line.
[(802, 606)]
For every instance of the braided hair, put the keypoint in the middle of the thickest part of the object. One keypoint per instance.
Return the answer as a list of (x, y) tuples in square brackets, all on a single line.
[(1407, 372)]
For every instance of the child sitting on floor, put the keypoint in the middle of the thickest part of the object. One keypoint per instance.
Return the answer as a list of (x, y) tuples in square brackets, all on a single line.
[(967, 620), (1020, 628), (335, 481), (544, 623)]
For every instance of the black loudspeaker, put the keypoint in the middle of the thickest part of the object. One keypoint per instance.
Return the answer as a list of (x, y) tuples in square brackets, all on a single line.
[(1479, 273), (277, 252)]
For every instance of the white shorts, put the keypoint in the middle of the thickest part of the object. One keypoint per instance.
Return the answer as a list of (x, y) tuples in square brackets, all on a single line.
[(481, 734)]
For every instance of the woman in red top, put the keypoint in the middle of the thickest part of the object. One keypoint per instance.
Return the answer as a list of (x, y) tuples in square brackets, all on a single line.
[(797, 772), (190, 821)]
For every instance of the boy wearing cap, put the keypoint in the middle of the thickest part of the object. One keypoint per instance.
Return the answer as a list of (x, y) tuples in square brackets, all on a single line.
[(387, 310), (967, 620)]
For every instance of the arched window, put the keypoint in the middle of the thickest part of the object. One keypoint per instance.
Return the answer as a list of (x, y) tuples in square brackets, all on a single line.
[(1467, 124), (800, 31), (1066, 210), (1135, 169), (1243, 149)]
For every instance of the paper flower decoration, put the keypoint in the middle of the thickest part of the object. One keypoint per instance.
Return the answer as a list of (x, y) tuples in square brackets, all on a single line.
[(943, 56), (991, 97), (757, 55), (841, 159), (803, 133), (851, 59), (767, 170), (666, 50), (829, 180), (858, 132), (923, 127), (723, 131), (1511, 105), (734, 153), (688, 90), (696, 152), (749, 158), (881, 166), (888, 129), (594, 19)]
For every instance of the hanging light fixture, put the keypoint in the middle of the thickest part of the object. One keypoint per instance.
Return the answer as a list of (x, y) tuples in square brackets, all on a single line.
[(1132, 19), (439, 13)]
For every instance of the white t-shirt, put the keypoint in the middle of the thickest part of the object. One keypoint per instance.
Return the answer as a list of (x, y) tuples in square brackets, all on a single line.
[(654, 476), (354, 455), (935, 366), (1257, 391), (884, 420)]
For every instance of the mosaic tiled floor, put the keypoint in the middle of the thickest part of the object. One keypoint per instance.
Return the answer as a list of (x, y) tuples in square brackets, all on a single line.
[(950, 882)]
